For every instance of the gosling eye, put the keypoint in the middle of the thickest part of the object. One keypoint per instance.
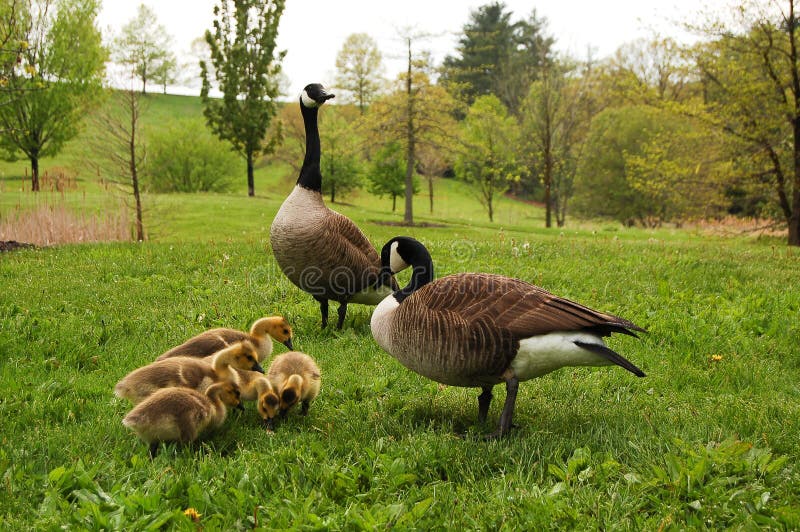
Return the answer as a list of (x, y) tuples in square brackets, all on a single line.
[(286, 331)]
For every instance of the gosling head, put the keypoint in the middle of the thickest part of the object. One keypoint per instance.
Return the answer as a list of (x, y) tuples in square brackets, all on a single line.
[(245, 357), (275, 326), (314, 95), (268, 406), (228, 393), (290, 393)]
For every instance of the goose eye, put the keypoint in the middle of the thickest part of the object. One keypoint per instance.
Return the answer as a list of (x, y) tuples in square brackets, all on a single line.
[(286, 331)]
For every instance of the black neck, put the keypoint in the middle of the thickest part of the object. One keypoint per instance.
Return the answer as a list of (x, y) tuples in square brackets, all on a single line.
[(310, 175), (421, 275)]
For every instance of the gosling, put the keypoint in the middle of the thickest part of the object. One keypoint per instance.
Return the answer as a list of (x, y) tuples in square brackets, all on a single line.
[(188, 372), (268, 402), (261, 333), (297, 378), (181, 414)]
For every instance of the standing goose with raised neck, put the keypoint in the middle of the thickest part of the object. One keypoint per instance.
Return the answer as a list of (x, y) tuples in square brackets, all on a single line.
[(480, 329), (321, 251)]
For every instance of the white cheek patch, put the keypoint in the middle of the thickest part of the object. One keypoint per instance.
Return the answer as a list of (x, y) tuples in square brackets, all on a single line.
[(307, 100), (396, 262)]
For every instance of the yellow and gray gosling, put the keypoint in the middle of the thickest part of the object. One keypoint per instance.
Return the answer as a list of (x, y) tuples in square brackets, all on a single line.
[(297, 378), (188, 372), (261, 334), (268, 402), (181, 414)]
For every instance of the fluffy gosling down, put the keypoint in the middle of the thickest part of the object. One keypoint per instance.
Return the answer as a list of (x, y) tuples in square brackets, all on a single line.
[(296, 378), (261, 334), (268, 402), (478, 329), (188, 372), (181, 414)]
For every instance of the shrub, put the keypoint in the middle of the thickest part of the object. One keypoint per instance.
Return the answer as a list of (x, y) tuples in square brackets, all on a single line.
[(185, 157)]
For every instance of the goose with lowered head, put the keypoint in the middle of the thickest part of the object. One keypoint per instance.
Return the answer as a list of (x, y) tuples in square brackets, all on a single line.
[(480, 329), (321, 251)]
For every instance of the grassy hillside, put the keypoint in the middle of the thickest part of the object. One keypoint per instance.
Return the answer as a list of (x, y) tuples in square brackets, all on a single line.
[(708, 440)]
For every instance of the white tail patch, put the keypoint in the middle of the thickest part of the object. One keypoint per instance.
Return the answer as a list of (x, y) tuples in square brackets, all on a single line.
[(541, 354)]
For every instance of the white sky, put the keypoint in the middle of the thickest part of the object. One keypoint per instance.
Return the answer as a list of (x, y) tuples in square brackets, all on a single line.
[(313, 31)]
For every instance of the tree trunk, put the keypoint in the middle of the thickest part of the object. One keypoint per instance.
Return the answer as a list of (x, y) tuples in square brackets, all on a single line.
[(34, 173), (408, 218), (794, 216), (430, 192), (394, 202), (251, 187), (333, 192), (134, 171)]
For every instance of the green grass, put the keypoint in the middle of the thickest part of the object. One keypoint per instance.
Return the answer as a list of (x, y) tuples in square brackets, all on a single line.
[(698, 443)]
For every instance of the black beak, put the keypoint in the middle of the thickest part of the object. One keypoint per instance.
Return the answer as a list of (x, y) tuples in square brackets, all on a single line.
[(324, 97), (240, 406), (269, 424), (257, 367), (384, 277), (288, 343)]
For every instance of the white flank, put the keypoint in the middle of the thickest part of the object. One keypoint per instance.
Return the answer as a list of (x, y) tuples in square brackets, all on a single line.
[(539, 355), (396, 262), (381, 322)]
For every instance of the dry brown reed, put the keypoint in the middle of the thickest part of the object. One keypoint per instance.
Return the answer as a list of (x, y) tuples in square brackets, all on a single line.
[(52, 222)]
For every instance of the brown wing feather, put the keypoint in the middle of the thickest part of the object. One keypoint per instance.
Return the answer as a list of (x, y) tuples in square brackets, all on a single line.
[(520, 308), (206, 343)]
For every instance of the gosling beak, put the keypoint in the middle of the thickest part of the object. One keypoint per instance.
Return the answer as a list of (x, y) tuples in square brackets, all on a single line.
[(269, 424), (384, 277), (240, 406), (288, 343), (257, 367)]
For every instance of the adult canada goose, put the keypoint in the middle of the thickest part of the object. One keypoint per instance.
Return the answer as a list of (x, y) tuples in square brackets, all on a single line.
[(479, 329), (181, 414), (261, 333), (188, 372), (296, 377), (321, 251)]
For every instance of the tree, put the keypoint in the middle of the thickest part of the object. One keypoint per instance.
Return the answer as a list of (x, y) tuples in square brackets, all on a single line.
[(359, 69), (497, 56), (487, 159), (143, 46), (751, 80), (118, 152), (417, 113), (246, 67), (341, 162), (555, 115), (166, 72), (10, 46), (57, 80), (387, 174)]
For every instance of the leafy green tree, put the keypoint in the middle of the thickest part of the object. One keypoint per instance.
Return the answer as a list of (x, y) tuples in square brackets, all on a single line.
[(488, 156), (497, 56), (57, 80), (416, 114), (387, 172), (341, 162), (247, 69), (751, 79), (359, 69), (166, 72), (143, 47), (10, 45)]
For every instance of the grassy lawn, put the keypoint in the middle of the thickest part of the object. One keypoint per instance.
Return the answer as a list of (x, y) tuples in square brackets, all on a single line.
[(707, 440)]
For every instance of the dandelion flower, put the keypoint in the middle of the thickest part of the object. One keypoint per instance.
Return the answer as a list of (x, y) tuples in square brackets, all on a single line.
[(716, 358), (192, 514)]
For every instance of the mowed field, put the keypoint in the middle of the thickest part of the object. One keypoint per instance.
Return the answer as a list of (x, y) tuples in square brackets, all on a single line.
[(709, 439)]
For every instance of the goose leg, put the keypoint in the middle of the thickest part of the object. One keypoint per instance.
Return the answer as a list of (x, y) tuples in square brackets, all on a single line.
[(342, 313), (304, 408), (484, 400), (323, 309), (512, 385), (153, 449)]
